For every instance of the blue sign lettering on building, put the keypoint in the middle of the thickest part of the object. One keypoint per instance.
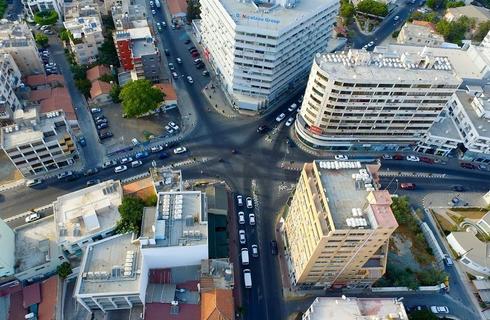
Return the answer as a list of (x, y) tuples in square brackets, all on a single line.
[(257, 18)]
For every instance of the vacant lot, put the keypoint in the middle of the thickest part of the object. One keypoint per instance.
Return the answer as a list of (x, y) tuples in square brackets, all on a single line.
[(8, 173)]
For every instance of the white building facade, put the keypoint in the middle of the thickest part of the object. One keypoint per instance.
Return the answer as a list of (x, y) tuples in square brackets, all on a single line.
[(7, 244), (9, 81), (359, 100), (262, 51), (33, 6), (87, 38)]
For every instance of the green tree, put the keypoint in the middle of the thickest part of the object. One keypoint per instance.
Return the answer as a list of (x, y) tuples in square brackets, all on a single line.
[(151, 201), (64, 270), (481, 31), (65, 35), (79, 72), (455, 4), (84, 86), (347, 10), (42, 40), (422, 315), (131, 211), (108, 53), (430, 17), (373, 7), (46, 17), (436, 4), (115, 92), (107, 78), (3, 8), (139, 97), (455, 31), (108, 23), (431, 277), (193, 9)]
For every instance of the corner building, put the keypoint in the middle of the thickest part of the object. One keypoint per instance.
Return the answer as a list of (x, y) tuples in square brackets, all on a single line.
[(261, 51), (338, 226), (374, 101)]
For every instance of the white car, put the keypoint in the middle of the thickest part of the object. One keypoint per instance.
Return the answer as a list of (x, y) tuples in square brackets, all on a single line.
[(289, 122), (292, 107), (136, 163), (180, 150), (280, 117), (239, 200), (135, 142), (179, 61), (241, 217), (151, 4), (156, 149), (33, 182), (175, 75), (439, 309), (413, 158), (153, 12), (33, 217), (169, 130), (189, 79), (255, 250), (251, 219), (370, 44), (173, 125), (126, 160), (119, 169), (241, 236), (249, 203), (341, 157)]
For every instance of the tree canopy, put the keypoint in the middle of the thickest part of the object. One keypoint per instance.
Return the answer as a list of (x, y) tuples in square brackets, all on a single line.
[(64, 270), (455, 31), (373, 7), (108, 53), (46, 17), (139, 97), (347, 10), (193, 9), (41, 40), (422, 315), (131, 211), (3, 7), (482, 31)]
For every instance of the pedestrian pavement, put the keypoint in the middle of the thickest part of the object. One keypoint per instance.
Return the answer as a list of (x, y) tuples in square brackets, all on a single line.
[(217, 100), (443, 199)]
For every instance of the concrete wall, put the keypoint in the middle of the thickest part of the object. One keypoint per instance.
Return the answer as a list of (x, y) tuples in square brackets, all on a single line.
[(177, 256), (7, 249)]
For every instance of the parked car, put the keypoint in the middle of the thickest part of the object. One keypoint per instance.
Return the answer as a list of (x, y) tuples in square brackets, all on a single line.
[(189, 79), (108, 164), (65, 175), (102, 126), (427, 160), (173, 125), (92, 182), (179, 61), (175, 75), (197, 61), (187, 41), (91, 172), (289, 122), (81, 140), (398, 157), (274, 249), (255, 250), (467, 165), (241, 236), (153, 12), (195, 54), (167, 52), (280, 117), (341, 157), (205, 73), (200, 65), (241, 217), (33, 182), (180, 150), (387, 157), (292, 107), (251, 219), (126, 160), (249, 203), (141, 155), (95, 110), (439, 309), (171, 66), (159, 27), (135, 141), (407, 186), (262, 129), (413, 158), (33, 217), (190, 49), (239, 200), (169, 130), (105, 135), (136, 163), (100, 121), (97, 118), (120, 169), (155, 149)]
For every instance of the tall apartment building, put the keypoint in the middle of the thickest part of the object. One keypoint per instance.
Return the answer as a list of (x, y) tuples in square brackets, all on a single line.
[(338, 226), (463, 128), (87, 38), (7, 244), (16, 39), (39, 143), (261, 51), (33, 6), (138, 53), (364, 100), (9, 81)]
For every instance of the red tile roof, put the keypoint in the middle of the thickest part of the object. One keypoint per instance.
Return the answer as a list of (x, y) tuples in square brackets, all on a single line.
[(160, 276), (217, 305), (41, 79), (41, 94), (96, 72), (168, 90), (426, 24), (99, 87), (32, 295), (161, 311), (16, 310), (60, 99), (188, 285), (49, 293), (177, 7)]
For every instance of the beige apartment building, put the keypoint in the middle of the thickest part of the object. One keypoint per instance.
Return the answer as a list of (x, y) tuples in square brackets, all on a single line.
[(9, 81), (87, 38), (419, 33), (338, 226), (374, 101)]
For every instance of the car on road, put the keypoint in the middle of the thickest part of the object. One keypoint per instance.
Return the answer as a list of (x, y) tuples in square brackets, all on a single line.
[(82, 141), (180, 150), (33, 182), (120, 169), (396, 18), (102, 126), (439, 309), (448, 261), (427, 160), (274, 247), (289, 122), (105, 135), (179, 61), (251, 219), (164, 24), (407, 186), (141, 155), (413, 158), (167, 52), (91, 172), (156, 149), (189, 79), (467, 165), (370, 44), (95, 110), (241, 217), (126, 160), (65, 175), (159, 27), (153, 12), (92, 182), (255, 250), (341, 157), (292, 107), (398, 157), (247, 278), (458, 188), (241, 236), (175, 75), (136, 164), (262, 129), (32, 217), (249, 203), (280, 117), (108, 164), (205, 73), (171, 66), (387, 157), (239, 200), (163, 155)]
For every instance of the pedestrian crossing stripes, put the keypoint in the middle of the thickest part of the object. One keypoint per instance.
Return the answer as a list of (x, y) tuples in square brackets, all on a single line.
[(412, 174)]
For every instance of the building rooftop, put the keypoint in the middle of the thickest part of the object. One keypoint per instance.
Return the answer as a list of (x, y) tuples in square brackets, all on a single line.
[(470, 11), (356, 308), (353, 200), (15, 34), (166, 179), (87, 211), (475, 249), (96, 72), (478, 109), (445, 128), (278, 16), (143, 47), (365, 65), (180, 219), (83, 26), (216, 274), (111, 265), (421, 29), (35, 244)]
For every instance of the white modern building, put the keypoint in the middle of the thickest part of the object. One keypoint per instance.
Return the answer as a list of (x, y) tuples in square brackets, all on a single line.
[(33, 6), (373, 101), (419, 33), (39, 143), (37, 253), (16, 39), (7, 245), (114, 273), (87, 215), (464, 127), (87, 38), (262, 51), (9, 81), (473, 252)]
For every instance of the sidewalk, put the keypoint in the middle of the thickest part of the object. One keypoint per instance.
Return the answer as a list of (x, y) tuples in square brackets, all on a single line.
[(218, 101)]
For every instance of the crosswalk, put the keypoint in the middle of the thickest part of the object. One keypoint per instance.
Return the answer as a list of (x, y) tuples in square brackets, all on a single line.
[(412, 174)]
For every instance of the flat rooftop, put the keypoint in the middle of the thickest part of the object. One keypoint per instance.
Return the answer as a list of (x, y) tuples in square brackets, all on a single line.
[(86, 25), (35, 243), (87, 211), (271, 15), (110, 266), (445, 128), (361, 64), (143, 47), (356, 308), (179, 219), (482, 124), (166, 179)]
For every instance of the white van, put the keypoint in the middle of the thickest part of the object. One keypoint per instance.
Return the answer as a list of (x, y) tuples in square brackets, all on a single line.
[(247, 278), (245, 259)]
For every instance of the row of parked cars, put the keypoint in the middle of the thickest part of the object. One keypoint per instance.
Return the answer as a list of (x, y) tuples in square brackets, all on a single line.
[(254, 249), (49, 67), (101, 123)]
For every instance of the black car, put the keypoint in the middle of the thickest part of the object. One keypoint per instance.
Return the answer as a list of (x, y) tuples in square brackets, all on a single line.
[(200, 65), (187, 41), (274, 247), (101, 121), (105, 135), (458, 188), (262, 129), (163, 155), (91, 171), (192, 49), (102, 126), (99, 117), (167, 52)]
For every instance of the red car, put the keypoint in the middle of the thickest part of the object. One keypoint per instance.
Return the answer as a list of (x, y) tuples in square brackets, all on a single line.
[(407, 186), (427, 160), (467, 165), (195, 54), (398, 157)]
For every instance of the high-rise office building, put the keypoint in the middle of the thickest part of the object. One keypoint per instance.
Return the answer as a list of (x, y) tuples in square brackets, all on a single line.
[(261, 51), (338, 226), (10, 80)]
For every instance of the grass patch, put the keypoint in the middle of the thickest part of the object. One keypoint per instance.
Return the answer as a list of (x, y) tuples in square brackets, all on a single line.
[(446, 226), (470, 213)]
